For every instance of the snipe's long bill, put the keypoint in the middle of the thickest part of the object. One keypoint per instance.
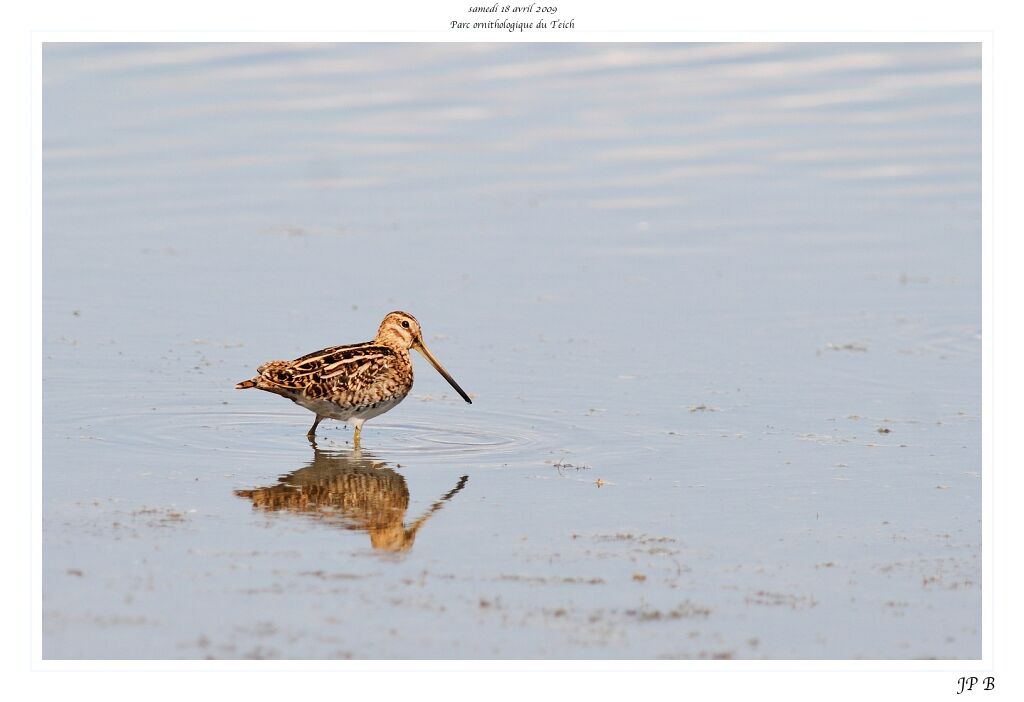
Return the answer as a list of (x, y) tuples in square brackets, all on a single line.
[(356, 382)]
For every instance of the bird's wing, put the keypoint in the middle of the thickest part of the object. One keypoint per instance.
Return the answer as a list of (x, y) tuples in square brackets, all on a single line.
[(331, 368)]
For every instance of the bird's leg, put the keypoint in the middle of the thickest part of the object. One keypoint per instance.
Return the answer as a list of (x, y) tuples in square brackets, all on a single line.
[(312, 430), (359, 428)]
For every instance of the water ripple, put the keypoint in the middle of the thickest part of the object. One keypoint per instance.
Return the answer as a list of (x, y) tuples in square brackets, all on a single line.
[(494, 436)]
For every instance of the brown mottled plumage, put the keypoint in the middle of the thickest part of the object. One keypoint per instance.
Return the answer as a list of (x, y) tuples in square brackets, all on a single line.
[(353, 491), (352, 383)]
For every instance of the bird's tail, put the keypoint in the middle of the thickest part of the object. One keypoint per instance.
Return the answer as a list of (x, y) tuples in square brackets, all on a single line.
[(245, 384)]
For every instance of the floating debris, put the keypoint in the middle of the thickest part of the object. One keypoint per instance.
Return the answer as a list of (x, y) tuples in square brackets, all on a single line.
[(854, 347), (563, 465), (824, 438), (685, 610), (781, 599), (552, 580)]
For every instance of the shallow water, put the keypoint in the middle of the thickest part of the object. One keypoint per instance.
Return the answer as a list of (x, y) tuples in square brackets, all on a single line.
[(718, 307)]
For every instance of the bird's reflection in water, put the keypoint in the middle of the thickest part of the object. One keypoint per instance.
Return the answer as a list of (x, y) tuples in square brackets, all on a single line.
[(352, 490)]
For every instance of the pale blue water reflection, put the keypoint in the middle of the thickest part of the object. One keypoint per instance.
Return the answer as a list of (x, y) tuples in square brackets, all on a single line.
[(718, 307)]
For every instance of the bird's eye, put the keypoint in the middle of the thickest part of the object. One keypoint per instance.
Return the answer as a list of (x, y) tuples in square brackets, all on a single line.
[(405, 323)]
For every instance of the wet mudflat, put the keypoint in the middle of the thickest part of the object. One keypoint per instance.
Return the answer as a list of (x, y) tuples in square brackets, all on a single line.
[(718, 307)]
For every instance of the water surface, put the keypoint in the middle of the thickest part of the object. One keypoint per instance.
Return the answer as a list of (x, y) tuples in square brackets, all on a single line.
[(718, 307)]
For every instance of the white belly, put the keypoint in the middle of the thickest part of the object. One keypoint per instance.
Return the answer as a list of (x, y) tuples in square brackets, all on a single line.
[(325, 408)]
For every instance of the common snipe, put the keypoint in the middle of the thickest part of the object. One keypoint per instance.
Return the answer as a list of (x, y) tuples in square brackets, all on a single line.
[(356, 382)]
